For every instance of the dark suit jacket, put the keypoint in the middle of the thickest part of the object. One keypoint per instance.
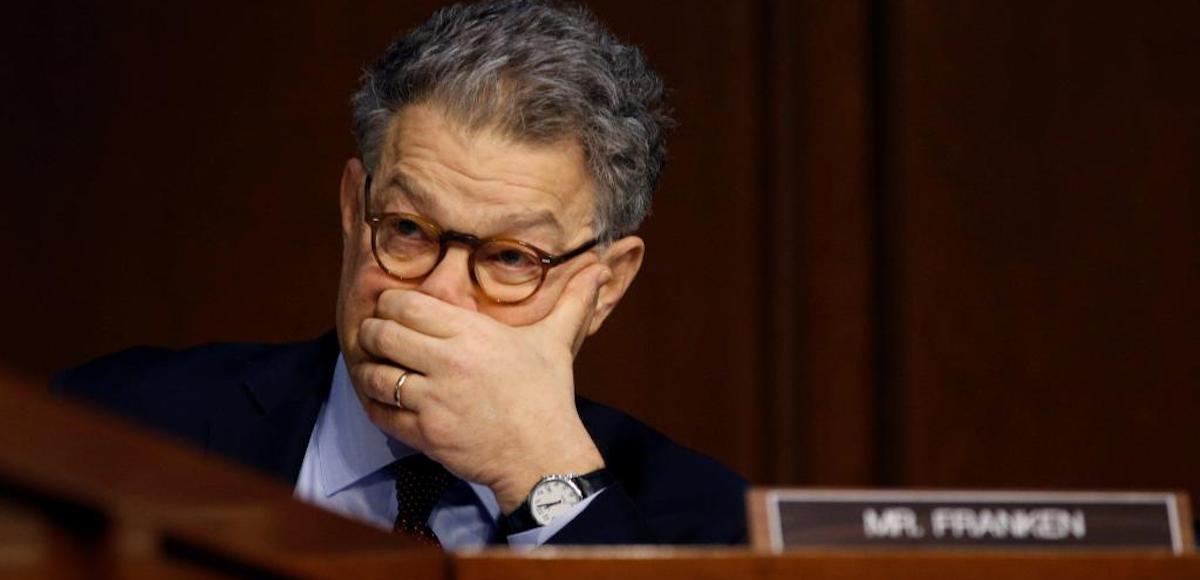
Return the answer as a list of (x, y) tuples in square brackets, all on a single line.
[(257, 404)]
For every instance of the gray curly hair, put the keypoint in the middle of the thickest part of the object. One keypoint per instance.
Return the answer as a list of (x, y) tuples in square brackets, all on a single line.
[(539, 73)]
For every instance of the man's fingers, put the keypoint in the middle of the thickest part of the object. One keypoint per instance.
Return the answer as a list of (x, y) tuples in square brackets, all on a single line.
[(402, 424), (389, 340), (420, 312), (383, 384), (576, 304)]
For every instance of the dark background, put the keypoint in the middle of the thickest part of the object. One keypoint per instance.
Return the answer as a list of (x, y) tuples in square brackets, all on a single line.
[(925, 243)]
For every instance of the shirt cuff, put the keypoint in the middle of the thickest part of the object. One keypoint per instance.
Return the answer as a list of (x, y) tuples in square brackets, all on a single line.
[(530, 539)]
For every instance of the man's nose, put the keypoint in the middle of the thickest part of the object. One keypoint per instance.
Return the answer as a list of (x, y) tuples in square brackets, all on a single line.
[(450, 280)]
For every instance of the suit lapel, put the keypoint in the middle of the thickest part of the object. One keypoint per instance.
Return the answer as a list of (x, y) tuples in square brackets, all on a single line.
[(270, 418)]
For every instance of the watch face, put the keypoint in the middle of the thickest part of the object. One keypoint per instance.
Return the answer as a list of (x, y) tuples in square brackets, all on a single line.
[(552, 497)]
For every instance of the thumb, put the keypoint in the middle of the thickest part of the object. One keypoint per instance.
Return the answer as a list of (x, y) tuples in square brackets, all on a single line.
[(573, 311)]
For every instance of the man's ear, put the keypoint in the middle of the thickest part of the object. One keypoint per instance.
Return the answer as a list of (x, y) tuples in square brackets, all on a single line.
[(624, 258), (351, 197)]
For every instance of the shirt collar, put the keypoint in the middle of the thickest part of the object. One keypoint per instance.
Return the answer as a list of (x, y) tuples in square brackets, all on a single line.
[(351, 447)]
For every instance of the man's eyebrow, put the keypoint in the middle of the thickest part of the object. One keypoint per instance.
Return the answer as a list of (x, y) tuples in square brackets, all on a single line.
[(529, 220), (505, 222), (418, 196)]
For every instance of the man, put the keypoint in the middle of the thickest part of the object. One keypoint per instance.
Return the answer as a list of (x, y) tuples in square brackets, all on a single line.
[(508, 153)]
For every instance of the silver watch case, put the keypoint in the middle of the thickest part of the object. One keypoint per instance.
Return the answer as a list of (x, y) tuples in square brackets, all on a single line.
[(552, 495)]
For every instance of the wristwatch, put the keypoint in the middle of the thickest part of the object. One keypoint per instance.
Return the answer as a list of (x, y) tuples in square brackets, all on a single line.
[(551, 496)]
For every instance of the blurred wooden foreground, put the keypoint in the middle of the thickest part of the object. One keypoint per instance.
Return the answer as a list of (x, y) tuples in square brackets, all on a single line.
[(84, 495)]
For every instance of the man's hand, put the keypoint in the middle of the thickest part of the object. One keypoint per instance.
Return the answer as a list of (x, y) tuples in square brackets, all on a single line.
[(494, 404)]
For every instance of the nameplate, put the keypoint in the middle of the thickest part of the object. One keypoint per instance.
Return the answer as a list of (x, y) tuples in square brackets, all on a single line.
[(782, 519)]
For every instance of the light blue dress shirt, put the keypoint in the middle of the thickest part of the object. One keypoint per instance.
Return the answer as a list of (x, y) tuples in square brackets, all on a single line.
[(344, 471)]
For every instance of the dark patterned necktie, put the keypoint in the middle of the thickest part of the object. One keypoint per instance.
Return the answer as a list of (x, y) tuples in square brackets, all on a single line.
[(420, 483)]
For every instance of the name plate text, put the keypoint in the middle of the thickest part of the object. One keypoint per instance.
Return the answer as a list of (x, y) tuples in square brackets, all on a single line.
[(798, 518)]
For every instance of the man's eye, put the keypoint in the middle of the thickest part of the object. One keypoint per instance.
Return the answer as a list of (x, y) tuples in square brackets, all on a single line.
[(513, 258), (509, 265), (408, 228)]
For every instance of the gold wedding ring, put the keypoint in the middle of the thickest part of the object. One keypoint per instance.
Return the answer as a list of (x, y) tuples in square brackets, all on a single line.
[(399, 383)]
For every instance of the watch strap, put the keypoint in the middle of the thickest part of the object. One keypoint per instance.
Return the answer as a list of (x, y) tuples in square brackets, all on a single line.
[(590, 483), (522, 520)]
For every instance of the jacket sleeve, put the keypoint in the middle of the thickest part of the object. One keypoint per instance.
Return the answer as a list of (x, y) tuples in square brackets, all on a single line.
[(664, 493), (613, 518)]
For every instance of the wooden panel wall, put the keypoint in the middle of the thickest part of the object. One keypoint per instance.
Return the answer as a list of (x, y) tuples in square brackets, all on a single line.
[(901, 243), (1044, 169), (818, 212)]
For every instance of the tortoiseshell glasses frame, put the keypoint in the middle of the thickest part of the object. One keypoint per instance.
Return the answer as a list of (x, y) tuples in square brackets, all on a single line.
[(505, 270)]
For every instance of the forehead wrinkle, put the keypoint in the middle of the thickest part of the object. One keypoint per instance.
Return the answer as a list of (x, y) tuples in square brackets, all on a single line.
[(517, 219), (473, 170), (512, 220), (418, 196), (465, 139)]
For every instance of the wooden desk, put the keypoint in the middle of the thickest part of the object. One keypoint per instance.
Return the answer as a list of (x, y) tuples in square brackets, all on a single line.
[(680, 564)]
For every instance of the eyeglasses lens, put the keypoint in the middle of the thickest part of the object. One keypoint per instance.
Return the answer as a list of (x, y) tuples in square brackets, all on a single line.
[(406, 247), (506, 271)]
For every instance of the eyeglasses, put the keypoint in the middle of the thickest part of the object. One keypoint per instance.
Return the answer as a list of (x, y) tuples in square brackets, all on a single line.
[(408, 246)]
